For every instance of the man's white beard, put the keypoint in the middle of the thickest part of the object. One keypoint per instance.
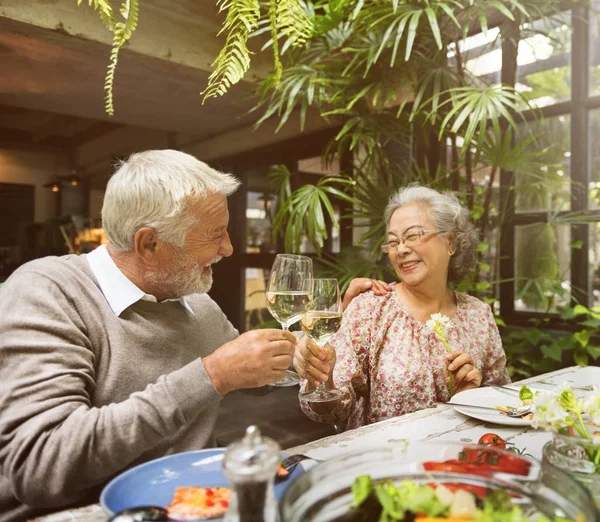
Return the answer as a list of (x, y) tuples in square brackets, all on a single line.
[(184, 277)]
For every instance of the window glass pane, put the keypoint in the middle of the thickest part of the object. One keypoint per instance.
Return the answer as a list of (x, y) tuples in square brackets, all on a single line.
[(544, 60), (542, 267), (535, 194), (256, 310), (594, 46), (594, 155), (482, 55), (594, 256)]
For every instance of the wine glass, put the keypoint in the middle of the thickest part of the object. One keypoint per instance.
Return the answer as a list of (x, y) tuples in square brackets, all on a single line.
[(322, 320), (288, 294)]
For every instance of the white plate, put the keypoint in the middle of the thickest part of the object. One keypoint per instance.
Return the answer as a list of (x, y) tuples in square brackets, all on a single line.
[(488, 397)]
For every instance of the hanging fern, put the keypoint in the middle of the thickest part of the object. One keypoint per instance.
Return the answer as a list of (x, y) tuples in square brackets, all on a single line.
[(276, 59), (234, 59), (104, 10), (122, 31), (293, 22)]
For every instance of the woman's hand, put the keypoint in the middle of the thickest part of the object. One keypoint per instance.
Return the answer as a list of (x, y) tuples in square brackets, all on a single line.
[(466, 375), (364, 284), (313, 362)]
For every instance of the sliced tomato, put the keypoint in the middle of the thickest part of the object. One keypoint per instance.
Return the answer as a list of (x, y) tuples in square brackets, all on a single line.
[(477, 456), (513, 464)]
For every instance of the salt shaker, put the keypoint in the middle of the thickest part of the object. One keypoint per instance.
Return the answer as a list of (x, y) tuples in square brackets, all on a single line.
[(250, 465)]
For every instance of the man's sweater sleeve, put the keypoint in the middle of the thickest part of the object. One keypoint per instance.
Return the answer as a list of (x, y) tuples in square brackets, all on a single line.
[(54, 445)]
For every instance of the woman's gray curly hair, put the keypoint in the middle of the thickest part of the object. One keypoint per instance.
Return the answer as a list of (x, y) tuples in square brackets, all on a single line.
[(450, 217)]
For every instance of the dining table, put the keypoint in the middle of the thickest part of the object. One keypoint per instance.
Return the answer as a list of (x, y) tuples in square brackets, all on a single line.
[(442, 422)]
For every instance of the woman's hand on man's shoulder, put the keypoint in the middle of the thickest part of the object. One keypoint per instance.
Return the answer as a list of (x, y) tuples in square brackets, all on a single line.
[(360, 285)]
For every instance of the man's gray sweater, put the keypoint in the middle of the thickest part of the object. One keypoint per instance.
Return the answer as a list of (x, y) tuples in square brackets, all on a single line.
[(85, 393)]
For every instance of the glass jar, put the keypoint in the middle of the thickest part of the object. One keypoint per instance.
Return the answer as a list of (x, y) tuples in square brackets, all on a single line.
[(324, 494), (572, 455)]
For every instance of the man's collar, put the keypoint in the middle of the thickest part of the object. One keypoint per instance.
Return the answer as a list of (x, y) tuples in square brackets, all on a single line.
[(119, 291)]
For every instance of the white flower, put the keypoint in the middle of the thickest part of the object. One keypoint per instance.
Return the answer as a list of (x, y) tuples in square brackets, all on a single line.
[(437, 322), (591, 406), (440, 318), (547, 412)]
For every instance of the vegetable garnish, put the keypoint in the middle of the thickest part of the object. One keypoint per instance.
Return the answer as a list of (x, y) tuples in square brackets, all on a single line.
[(526, 395), (409, 501)]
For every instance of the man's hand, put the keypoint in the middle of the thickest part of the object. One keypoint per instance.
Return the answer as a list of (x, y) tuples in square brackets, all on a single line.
[(313, 362), (364, 284), (252, 360), (466, 374)]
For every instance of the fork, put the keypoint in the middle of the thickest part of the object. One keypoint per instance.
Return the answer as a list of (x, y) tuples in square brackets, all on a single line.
[(289, 464)]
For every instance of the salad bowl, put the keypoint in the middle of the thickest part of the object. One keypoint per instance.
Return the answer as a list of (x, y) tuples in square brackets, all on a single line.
[(422, 480)]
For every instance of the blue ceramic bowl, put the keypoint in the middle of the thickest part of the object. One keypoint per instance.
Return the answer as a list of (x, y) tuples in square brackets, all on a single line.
[(153, 483)]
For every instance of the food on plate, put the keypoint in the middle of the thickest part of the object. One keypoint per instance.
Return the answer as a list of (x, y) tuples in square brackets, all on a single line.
[(412, 502), (197, 502), (282, 472), (491, 439), (526, 395)]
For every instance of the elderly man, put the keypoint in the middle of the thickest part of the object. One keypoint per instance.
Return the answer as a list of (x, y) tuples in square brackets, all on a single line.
[(103, 361)]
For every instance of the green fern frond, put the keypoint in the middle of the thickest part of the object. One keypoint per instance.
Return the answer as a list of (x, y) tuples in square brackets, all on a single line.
[(121, 34), (122, 31), (105, 11), (234, 59), (293, 22), (275, 41)]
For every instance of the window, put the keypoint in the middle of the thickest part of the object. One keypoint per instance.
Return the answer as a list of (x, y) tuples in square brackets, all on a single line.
[(550, 254)]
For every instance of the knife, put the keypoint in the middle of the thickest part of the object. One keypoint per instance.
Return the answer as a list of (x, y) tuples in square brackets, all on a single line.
[(505, 389)]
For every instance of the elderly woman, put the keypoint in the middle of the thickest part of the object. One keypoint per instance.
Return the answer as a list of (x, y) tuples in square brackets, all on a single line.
[(384, 358)]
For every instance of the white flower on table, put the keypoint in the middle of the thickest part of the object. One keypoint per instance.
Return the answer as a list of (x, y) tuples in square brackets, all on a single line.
[(591, 406), (547, 412)]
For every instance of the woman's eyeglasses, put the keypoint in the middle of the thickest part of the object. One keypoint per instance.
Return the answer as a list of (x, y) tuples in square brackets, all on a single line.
[(411, 239)]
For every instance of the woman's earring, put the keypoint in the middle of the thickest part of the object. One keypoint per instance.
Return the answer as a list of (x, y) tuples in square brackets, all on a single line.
[(451, 251)]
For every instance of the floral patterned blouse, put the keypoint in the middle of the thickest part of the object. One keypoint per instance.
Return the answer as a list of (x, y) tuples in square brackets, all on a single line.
[(389, 364)]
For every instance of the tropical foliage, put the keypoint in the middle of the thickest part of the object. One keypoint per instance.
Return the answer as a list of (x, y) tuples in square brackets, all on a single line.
[(399, 78)]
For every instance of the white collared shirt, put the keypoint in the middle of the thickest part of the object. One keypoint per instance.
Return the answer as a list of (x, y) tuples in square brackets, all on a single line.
[(119, 291)]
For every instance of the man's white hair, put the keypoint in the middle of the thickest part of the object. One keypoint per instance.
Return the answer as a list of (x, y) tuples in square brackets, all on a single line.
[(155, 189)]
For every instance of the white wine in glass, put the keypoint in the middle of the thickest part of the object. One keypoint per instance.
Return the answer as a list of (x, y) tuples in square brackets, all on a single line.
[(288, 294), (322, 320)]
